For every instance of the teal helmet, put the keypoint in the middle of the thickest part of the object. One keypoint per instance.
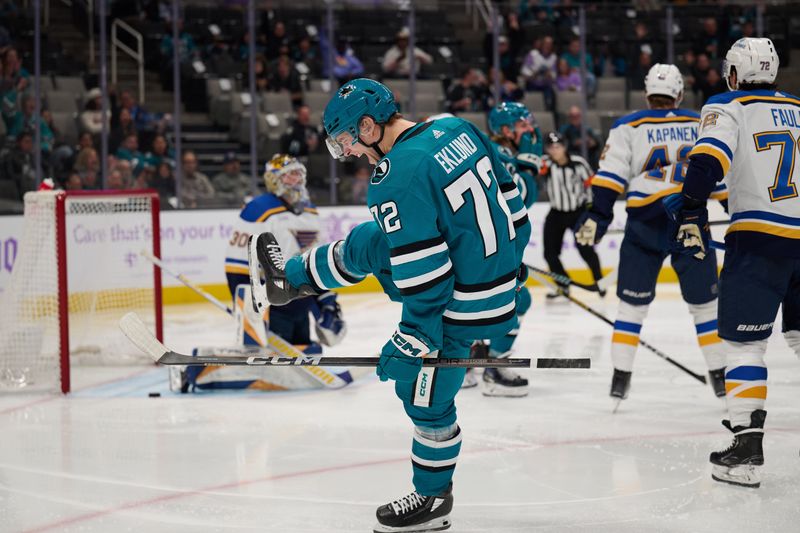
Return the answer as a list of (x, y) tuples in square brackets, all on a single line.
[(507, 114), (354, 100)]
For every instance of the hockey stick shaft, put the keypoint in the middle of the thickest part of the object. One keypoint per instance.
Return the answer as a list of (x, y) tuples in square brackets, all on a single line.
[(133, 328), (183, 279), (601, 316), (561, 279)]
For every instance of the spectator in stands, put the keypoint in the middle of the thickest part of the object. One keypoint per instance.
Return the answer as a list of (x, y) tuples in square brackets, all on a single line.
[(242, 50), (508, 46), (284, 77), (142, 119), (571, 131), (539, 69), (306, 53), (129, 151), (159, 153), (73, 182), (91, 118), (573, 58), (302, 138), (262, 77), (712, 85), (24, 120), (277, 41), (698, 78), (162, 180), (122, 129), (17, 164), (346, 65), (126, 171), (711, 41), (115, 182), (187, 49), (509, 91), (567, 79), (640, 69), (231, 184), (87, 164), (642, 37), (469, 93), (196, 188), (13, 82), (396, 59)]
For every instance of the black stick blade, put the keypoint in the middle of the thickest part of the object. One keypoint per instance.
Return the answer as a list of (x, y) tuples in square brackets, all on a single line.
[(557, 362)]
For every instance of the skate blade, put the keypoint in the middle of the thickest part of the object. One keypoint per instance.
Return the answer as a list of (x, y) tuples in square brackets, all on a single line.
[(437, 524), (467, 385), (617, 402), (505, 392), (743, 476)]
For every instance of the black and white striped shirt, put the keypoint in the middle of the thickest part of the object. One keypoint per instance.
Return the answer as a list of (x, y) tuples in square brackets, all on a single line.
[(565, 185)]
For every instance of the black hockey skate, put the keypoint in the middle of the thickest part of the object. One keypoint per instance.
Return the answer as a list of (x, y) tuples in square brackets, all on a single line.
[(267, 274), (504, 382), (416, 513), (620, 386), (740, 463), (717, 378)]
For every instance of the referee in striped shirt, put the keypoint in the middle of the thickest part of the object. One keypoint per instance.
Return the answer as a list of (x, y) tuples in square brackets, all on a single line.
[(566, 177)]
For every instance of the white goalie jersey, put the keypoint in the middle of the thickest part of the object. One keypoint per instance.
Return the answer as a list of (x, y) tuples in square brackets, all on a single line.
[(295, 232), (647, 154), (755, 136)]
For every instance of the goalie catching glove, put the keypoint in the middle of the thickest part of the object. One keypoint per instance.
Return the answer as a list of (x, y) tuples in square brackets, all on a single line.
[(268, 276)]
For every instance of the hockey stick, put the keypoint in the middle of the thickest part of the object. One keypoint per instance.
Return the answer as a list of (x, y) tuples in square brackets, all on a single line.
[(698, 377), (136, 330), (601, 285), (712, 223)]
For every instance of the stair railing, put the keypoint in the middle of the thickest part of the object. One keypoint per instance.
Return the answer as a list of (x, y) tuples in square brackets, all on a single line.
[(137, 55)]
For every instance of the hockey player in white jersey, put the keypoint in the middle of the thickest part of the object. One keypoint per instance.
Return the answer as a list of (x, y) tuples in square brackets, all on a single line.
[(751, 134), (646, 153), (286, 212)]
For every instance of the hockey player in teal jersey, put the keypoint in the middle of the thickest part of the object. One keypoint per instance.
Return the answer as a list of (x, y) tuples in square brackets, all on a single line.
[(518, 143), (447, 241)]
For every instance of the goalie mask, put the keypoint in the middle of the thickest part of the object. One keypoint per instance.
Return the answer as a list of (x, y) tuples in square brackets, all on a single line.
[(285, 177)]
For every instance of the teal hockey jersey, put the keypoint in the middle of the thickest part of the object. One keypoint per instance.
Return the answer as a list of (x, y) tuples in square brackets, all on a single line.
[(456, 227), (523, 167)]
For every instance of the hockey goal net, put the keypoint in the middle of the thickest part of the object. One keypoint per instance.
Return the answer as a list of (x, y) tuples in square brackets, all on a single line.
[(78, 270)]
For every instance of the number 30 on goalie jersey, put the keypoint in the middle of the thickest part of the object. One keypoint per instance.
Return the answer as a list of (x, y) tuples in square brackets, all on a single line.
[(456, 227)]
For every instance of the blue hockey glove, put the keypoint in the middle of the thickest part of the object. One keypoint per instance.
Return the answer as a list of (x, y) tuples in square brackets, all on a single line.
[(401, 358), (590, 228), (692, 233), (328, 321)]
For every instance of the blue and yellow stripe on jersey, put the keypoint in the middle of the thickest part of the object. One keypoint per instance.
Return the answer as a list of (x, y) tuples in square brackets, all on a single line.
[(716, 149), (765, 222), (609, 180), (637, 200), (267, 205), (236, 266), (657, 116)]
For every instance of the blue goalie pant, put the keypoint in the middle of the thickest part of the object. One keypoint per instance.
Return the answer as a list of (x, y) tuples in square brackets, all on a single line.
[(645, 246), (752, 288)]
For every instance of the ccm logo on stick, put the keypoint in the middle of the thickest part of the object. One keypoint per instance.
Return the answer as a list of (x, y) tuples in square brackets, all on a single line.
[(283, 360)]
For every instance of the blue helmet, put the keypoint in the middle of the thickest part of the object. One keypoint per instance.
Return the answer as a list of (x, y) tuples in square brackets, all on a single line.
[(507, 114), (355, 99)]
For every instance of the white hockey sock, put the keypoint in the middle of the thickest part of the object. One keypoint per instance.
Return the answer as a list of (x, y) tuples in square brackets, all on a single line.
[(793, 340), (705, 323), (626, 334), (745, 379)]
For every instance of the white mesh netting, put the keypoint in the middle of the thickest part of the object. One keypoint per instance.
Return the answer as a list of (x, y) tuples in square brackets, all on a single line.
[(106, 277)]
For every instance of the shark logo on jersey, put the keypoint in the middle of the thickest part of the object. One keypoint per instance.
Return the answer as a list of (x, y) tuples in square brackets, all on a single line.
[(381, 171)]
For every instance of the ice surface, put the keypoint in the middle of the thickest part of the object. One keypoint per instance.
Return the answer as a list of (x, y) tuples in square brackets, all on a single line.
[(108, 458)]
